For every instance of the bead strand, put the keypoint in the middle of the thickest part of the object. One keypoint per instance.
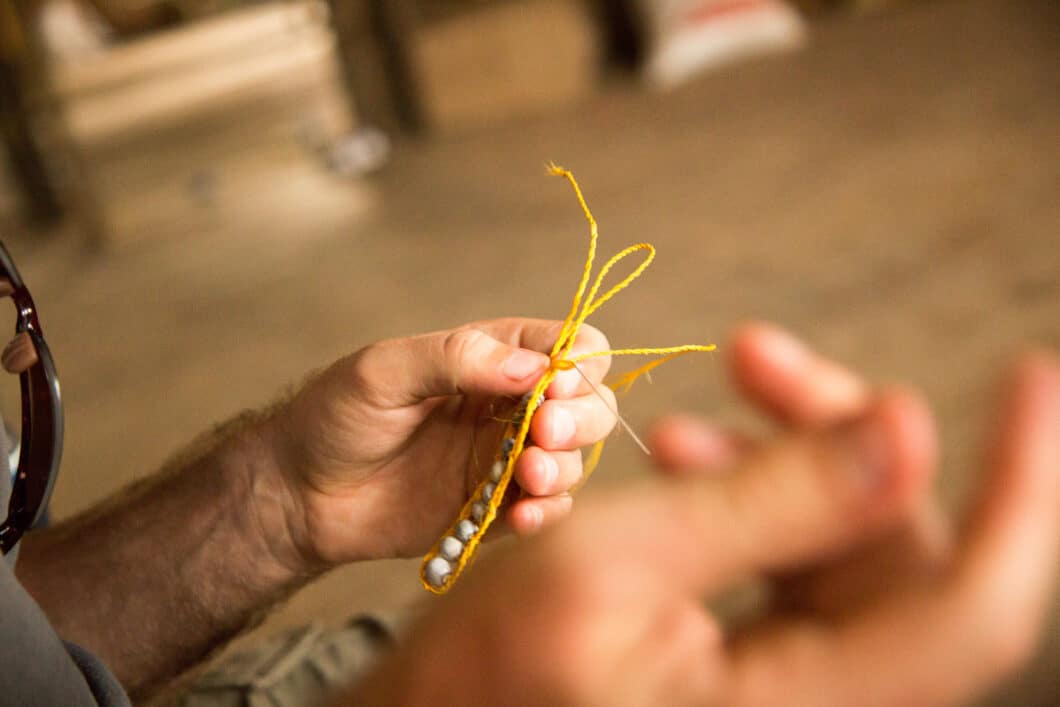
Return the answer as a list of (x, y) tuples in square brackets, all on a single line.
[(448, 555)]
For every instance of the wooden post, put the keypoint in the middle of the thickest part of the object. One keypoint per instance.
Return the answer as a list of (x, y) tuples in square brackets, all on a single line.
[(39, 196)]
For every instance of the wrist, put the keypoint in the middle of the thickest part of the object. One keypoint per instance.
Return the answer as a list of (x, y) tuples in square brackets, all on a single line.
[(275, 514)]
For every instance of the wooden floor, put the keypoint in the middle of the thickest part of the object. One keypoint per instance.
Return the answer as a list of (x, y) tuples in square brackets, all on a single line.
[(892, 193)]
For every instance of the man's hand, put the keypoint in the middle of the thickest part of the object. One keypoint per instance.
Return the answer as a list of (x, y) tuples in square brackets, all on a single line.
[(877, 604), (371, 458), (380, 450)]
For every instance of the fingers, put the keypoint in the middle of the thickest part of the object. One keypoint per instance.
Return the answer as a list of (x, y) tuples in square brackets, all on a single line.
[(571, 424), (19, 355), (970, 629), (528, 515), (542, 473), (984, 622), (541, 335), (779, 374), (1013, 539), (783, 376), (804, 498), (568, 384), (683, 444), (401, 372)]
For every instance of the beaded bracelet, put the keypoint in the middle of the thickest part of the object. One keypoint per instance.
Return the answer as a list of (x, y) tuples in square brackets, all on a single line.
[(451, 554)]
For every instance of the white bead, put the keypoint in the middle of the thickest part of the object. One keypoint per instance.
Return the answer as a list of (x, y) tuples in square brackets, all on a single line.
[(487, 493), (437, 571), (497, 471), (478, 511), (465, 529), (450, 548)]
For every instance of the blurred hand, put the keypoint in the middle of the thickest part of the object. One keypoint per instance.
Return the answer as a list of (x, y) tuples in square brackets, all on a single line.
[(877, 605), (381, 450), (919, 613)]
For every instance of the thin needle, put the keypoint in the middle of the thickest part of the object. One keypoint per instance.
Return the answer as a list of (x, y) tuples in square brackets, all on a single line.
[(607, 404)]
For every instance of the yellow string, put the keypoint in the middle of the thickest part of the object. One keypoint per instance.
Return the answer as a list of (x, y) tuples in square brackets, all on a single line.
[(568, 323), (582, 306)]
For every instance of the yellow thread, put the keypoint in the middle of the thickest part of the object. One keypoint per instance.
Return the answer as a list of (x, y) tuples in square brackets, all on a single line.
[(675, 350), (589, 464), (582, 306)]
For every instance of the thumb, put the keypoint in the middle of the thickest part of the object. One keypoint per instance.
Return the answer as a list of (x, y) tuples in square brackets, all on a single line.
[(458, 361)]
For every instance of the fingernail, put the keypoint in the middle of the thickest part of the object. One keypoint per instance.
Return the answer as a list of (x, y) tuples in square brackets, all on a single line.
[(561, 425), (522, 364), (535, 518), (549, 471), (869, 452), (786, 350)]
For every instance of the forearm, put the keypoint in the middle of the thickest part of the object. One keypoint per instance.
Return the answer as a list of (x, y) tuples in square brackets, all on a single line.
[(156, 579)]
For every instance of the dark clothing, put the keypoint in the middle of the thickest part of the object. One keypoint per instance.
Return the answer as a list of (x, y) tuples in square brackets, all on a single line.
[(36, 666)]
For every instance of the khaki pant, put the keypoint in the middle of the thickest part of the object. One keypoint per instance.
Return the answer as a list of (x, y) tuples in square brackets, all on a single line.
[(303, 667)]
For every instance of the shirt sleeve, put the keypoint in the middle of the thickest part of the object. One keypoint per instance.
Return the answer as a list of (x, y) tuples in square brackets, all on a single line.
[(36, 667)]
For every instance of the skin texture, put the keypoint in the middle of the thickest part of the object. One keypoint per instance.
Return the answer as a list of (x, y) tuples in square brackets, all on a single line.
[(879, 599), (370, 458)]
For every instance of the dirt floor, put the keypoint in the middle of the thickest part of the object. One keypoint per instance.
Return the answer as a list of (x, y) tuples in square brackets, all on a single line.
[(892, 193)]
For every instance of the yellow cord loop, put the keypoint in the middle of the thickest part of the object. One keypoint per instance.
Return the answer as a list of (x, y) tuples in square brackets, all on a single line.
[(455, 550)]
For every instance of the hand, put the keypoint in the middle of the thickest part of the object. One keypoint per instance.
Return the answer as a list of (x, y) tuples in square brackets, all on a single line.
[(606, 607), (801, 391), (971, 602), (382, 449)]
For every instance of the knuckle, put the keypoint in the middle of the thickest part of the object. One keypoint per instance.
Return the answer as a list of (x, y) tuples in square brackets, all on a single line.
[(359, 371), (459, 346), (592, 339)]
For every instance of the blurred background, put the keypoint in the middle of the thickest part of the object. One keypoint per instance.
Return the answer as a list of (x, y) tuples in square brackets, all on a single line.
[(210, 198)]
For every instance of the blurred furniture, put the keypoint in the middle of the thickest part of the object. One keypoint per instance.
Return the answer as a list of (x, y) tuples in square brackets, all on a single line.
[(167, 124), (272, 50), (129, 18), (29, 170), (458, 64)]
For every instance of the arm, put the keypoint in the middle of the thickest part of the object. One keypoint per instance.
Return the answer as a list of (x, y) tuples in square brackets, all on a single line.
[(371, 458), (158, 577)]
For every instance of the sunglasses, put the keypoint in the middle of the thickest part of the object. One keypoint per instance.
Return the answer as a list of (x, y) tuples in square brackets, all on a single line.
[(42, 410)]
